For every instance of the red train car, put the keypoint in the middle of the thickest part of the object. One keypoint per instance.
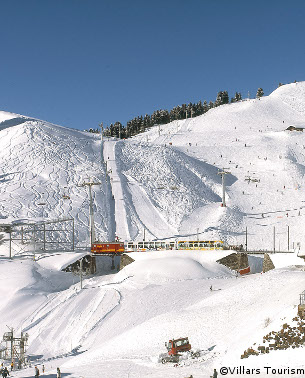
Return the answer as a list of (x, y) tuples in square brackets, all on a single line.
[(104, 248)]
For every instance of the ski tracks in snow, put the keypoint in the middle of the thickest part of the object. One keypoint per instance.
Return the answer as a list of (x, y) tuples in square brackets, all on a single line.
[(122, 228), (76, 313), (42, 162)]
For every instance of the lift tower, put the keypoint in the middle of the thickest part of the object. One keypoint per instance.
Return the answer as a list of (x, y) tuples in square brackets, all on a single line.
[(102, 141), (91, 213), (223, 173)]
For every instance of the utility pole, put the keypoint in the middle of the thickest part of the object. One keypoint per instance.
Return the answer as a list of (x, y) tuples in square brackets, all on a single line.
[(246, 239), (11, 242), (223, 173), (12, 345), (102, 132), (273, 239), (81, 272), (91, 214), (44, 236), (73, 231), (288, 237), (34, 242)]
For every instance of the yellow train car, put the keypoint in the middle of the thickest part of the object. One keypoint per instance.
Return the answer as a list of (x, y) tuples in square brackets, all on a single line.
[(200, 245), (169, 245)]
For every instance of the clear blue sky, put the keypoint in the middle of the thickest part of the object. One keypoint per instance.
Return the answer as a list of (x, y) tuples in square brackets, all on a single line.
[(79, 62)]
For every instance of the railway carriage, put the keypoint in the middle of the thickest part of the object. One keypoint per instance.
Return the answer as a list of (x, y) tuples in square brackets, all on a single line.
[(104, 248), (168, 245)]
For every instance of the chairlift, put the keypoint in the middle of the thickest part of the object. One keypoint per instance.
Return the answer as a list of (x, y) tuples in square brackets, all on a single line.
[(41, 199), (65, 195)]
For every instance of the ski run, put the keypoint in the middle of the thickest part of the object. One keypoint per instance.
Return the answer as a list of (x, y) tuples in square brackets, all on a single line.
[(163, 184)]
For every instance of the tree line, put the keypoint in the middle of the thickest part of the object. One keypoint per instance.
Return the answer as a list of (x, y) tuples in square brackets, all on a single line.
[(141, 123)]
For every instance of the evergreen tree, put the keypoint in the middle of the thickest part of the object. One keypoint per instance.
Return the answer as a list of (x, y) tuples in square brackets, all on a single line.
[(199, 109), (117, 128), (225, 97), (162, 116), (259, 93), (183, 111), (147, 121), (190, 110), (222, 98), (111, 130), (128, 129), (237, 97), (172, 115), (218, 101)]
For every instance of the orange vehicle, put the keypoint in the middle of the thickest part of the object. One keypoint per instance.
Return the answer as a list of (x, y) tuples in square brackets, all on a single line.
[(107, 248), (179, 345), (174, 348)]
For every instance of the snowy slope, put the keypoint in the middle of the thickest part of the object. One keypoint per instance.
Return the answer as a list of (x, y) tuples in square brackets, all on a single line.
[(249, 139), (118, 324), (177, 184), (41, 164)]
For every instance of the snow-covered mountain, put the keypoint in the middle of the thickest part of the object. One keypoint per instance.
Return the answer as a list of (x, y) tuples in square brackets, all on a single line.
[(42, 163), (170, 175), (167, 184)]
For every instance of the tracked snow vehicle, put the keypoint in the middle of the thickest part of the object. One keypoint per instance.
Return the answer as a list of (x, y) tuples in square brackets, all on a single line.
[(175, 348)]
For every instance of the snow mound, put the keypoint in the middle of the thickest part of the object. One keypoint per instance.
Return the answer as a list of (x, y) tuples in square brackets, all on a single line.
[(4, 116), (167, 269), (292, 95)]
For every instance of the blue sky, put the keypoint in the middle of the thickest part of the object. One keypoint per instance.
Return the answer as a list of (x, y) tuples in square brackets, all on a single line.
[(79, 62)]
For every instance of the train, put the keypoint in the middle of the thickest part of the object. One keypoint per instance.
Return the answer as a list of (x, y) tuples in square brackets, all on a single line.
[(100, 248), (180, 245)]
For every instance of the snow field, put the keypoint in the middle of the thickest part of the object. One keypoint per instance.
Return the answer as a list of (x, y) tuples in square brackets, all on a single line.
[(40, 164), (118, 324)]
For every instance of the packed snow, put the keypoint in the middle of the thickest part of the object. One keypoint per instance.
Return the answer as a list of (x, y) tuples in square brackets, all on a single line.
[(167, 185)]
